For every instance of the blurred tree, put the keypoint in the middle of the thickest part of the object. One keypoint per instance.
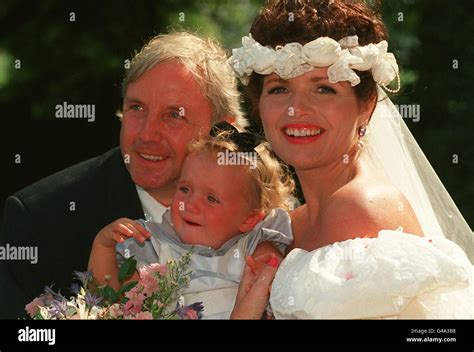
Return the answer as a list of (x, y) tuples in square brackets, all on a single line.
[(432, 42)]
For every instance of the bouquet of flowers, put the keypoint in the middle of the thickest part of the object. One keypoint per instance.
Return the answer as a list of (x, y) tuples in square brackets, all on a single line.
[(157, 295)]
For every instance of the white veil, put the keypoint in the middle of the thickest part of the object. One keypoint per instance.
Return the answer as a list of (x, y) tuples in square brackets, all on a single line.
[(393, 150)]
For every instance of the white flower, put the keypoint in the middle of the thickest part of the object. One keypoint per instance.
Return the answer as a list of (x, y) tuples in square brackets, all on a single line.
[(386, 68), (321, 52), (293, 59), (288, 60), (44, 313), (264, 60), (369, 55), (241, 61), (94, 313), (242, 58), (252, 57), (341, 69), (349, 42)]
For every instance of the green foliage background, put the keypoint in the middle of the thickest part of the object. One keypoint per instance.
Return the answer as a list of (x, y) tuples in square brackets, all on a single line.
[(82, 62)]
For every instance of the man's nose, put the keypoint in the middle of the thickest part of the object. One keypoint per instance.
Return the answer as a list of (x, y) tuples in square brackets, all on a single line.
[(151, 130)]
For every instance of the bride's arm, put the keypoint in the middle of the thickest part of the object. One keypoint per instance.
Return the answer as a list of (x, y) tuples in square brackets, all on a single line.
[(254, 289)]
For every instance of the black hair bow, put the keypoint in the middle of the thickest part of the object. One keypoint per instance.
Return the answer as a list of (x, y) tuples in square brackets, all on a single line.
[(245, 141)]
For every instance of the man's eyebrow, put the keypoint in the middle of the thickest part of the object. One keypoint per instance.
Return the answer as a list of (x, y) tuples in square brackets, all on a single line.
[(132, 100), (176, 107)]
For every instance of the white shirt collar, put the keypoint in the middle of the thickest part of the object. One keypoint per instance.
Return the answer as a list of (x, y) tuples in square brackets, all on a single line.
[(152, 209)]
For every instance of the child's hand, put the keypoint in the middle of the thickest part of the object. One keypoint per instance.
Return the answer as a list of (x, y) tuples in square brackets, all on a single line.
[(119, 231)]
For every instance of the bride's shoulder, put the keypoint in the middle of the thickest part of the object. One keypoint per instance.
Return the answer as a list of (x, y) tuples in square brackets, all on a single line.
[(371, 193), (365, 206)]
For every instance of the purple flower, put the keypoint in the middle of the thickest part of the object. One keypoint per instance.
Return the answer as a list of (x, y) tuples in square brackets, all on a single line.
[(191, 312), (84, 277), (58, 308), (49, 295), (91, 299), (75, 288)]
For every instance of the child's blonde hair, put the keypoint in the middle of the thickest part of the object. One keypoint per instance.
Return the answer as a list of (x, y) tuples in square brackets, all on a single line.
[(271, 184)]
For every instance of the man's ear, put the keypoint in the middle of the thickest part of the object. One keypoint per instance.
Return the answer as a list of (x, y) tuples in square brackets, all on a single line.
[(229, 119), (253, 219), (119, 114)]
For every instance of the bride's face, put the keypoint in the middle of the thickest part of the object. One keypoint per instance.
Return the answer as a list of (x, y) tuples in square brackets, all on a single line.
[(309, 121)]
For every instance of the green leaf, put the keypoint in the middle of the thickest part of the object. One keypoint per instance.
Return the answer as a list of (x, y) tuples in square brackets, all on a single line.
[(127, 269), (124, 300), (38, 315), (110, 294), (127, 287)]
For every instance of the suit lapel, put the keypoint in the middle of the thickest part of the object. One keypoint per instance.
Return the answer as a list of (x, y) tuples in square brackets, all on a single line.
[(122, 196)]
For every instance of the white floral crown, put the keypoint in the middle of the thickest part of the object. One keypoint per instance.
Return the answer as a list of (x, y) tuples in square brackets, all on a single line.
[(294, 59)]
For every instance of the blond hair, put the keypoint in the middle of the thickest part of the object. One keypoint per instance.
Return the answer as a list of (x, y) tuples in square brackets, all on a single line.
[(271, 185), (207, 62)]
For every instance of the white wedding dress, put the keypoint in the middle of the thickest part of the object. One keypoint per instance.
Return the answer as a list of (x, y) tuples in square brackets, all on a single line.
[(395, 275)]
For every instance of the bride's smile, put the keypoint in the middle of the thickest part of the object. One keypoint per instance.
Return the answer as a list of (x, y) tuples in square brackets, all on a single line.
[(301, 133)]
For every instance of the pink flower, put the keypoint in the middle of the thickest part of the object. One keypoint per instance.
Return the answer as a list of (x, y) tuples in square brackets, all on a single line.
[(149, 282), (135, 301), (143, 316), (349, 276), (115, 311), (154, 268), (33, 306)]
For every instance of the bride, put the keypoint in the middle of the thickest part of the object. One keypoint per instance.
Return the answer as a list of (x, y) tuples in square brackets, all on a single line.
[(379, 236)]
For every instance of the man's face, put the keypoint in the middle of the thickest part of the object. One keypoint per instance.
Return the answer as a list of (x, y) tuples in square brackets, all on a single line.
[(162, 111)]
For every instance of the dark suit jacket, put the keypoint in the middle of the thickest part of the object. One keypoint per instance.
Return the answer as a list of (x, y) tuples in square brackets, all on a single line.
[(61, 215)]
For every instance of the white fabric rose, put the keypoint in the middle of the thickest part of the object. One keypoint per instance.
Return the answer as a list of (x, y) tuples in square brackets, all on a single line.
[(242, 59), (264, 59), (349, 42), (386, 68), (293, 59), (288, 60), (341, 69), (321, 52), (369, 55)]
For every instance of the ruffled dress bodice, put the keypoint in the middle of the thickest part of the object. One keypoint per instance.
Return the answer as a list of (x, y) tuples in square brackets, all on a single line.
[(395, 275)]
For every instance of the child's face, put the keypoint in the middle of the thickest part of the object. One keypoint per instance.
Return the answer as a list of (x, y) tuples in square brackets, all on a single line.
[(211, 204)]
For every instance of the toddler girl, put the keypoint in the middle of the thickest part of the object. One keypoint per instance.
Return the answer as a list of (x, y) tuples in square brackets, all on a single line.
[(231, 202)]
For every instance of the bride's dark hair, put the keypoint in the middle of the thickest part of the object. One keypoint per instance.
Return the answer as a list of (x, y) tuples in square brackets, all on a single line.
[(286, 21)]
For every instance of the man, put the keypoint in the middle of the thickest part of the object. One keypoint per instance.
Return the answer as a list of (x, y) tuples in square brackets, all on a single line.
[(177, 86)]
